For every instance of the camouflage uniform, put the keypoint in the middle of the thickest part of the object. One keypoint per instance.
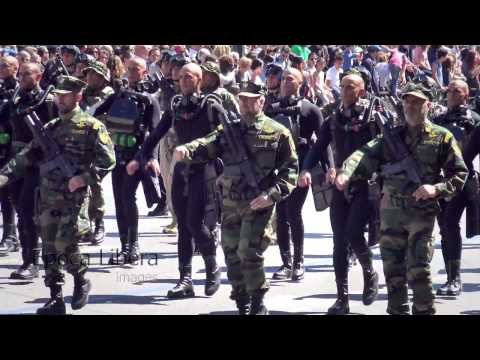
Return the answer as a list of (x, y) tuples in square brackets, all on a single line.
[(406, 241), (90, 101), (244, 231), (85, 143)]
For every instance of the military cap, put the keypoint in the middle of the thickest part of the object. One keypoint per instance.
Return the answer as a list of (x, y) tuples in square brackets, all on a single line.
[(252, 90), (212, 67), (98, 67), (68, 84), (417, 90), (72, 49)]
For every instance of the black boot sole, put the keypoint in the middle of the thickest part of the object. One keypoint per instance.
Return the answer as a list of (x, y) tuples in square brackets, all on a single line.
[(181, 295), (62, 311), (346, 311), (81, 305)]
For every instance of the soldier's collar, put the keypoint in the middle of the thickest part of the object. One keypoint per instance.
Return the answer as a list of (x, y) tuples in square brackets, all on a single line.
[(252, 120), (71, 114), (426, 127)]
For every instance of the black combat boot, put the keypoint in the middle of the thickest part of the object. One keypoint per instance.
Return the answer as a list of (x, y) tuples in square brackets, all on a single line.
[(184, 287), (370, 278), (133, 247), (99, 232), (122, 257), (160, 210), (398, 301), (285, 271), (243, 304), (340, 307), (257, 306), (54, 306), (455, 287), (213, 275), (9, 242), (28, 270), (81, 290), (430, 311), (298, 268)]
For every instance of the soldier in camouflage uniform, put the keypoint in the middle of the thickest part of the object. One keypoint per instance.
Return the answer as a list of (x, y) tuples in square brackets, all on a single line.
[(97, 90), (86, 145), (246, 216), (211, 85), (407, 211)]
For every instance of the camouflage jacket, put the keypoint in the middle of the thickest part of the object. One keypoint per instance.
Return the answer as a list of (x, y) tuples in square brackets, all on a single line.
[(433, 147), (83, 141), (229, 102), (271, 149)]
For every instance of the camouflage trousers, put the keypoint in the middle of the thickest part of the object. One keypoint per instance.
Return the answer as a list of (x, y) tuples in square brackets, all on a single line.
[(406, 246), (59, 218), (246, 235), (96, 208)]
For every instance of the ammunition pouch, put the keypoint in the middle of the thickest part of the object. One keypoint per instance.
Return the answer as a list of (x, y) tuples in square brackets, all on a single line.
[(213, 197), (322, 191)]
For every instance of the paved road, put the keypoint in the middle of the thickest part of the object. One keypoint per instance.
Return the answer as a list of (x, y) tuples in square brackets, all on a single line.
[(142, 289)]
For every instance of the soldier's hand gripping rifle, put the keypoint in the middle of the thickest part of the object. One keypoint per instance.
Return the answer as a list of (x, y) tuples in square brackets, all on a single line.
[(53, 157), (403, 160), (237, 147)]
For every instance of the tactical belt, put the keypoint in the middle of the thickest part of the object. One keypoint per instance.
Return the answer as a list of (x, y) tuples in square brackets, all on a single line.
[(409, 202), (246, 195)]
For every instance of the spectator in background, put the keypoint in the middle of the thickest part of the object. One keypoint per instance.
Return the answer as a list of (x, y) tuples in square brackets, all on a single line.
[(398, 65), (471, 70), (284, 58), (142, 51), (202, 55), (257, 72), (227, 73), (152, 62), (332, 79), (382, 69), (43, 53), (358, 56), (94, 51), (322, 93), (243, 75), (23, 57), (236, 58), (437, 67), (221, 50), (420, 57), (348, 57), (369, 61), (114, 62)]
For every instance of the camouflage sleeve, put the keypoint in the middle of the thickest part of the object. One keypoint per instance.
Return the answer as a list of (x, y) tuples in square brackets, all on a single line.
[(454, 167), (363, 162), (103, 157), (287, 166), (18, 165), (204, 149)]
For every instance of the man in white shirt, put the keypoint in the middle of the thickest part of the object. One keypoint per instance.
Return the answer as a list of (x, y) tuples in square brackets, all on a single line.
[(332, 79)]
